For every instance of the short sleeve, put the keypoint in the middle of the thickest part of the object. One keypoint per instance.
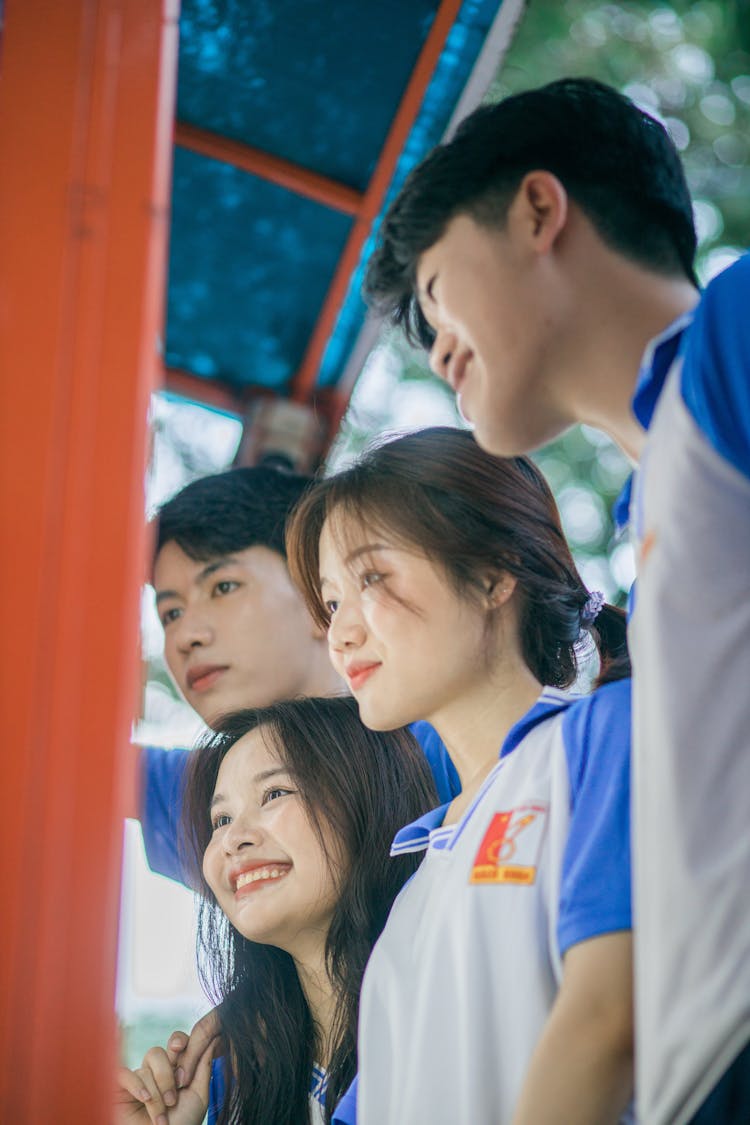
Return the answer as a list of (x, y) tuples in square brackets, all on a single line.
[(715, 377), (595, 896), (162, 773), (217, 1090), (446, 777), (345, 1112)]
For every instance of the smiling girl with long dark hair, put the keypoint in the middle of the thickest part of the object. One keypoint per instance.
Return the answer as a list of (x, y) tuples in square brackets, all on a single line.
[(289, 812)]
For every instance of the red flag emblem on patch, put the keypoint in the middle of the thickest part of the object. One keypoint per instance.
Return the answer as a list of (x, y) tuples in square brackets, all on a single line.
[(509, 851)]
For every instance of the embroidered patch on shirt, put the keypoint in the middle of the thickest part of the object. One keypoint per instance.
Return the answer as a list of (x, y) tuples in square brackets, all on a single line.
[(510, 849)]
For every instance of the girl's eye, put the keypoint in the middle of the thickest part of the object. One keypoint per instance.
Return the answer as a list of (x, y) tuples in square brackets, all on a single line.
[(221, 820), (331, 607), (274, 794), (371, 578), (225, 586), (170, 615)]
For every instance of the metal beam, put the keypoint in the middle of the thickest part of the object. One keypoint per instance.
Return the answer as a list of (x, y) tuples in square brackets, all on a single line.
[(208, 392), (311, 185)]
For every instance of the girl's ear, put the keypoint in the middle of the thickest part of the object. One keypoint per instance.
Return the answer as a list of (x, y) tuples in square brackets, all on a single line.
[(499, 587)]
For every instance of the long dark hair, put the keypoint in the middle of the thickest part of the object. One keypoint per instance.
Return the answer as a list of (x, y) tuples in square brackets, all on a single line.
[(362, 786), (469, 512)]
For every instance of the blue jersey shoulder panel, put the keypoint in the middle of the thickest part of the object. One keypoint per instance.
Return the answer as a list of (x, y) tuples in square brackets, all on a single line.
[(715, 378), (595, 892), (446, 776), (162, 773)]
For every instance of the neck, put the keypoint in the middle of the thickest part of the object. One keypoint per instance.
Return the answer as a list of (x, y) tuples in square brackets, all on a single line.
[(622, 307), (321, 999), (474, 727)]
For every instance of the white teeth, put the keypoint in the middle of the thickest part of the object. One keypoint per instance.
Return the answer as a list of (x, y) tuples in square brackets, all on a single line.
[(259, 874)]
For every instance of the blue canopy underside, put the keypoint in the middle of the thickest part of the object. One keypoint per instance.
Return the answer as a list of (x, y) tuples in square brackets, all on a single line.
[(317, 84)]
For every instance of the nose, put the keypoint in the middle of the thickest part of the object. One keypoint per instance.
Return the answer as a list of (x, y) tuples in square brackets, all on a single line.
[(244, 832), (441, 352), (192, 630), (346, 630)]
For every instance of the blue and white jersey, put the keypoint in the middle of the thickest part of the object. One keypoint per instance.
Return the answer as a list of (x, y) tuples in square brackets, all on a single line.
[(462, 980), (316, 1101), (690, 644), (162, 774)]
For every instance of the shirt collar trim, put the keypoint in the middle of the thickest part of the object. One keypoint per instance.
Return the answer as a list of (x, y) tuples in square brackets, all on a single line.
[(428, 830), (657, 360)]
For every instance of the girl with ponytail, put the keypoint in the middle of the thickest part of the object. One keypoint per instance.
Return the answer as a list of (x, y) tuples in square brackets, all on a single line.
[(500, 989)]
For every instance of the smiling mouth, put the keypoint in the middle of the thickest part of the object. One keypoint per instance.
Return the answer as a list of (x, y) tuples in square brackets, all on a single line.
[(260, 876), (359, 676), (204, 678)]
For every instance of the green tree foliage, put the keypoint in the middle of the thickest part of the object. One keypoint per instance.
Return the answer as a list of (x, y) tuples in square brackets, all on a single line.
[(686, 62)]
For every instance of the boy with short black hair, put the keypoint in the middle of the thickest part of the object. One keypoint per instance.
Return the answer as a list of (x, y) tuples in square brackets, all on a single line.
[(544, 255)]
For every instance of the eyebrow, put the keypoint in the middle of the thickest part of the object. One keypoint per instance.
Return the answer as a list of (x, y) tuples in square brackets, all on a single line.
[(264, 775), (201, 576), (366, 549)]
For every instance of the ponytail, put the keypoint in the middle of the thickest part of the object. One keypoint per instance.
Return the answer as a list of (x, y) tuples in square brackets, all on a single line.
[(609, 632)]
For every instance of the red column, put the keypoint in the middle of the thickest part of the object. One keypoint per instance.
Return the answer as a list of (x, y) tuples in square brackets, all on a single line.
[(86, 111)]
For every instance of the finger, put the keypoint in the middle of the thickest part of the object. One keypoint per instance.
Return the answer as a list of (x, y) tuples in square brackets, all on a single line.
[(130, 1087), (154, 1105), (157, 1060), (178, 1041), (205, 1031), (202, 1079)]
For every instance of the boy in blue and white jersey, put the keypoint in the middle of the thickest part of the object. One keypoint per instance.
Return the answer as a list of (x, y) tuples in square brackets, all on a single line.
[(690, 633), (538, 255)]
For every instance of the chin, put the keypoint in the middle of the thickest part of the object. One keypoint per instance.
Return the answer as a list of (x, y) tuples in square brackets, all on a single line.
[(380, 720), (503, 443)]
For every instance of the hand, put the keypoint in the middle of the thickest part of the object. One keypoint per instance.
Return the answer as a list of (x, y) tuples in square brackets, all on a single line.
[(189, 1050), (150, 1094)]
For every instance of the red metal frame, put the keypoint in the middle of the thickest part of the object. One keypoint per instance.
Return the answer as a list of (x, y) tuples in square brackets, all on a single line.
[(83, 228), (304, 380), (210, 392), (331, 193)]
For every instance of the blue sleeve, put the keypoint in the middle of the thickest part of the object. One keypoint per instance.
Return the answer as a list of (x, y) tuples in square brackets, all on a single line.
[(716, 365), (446, 776), (217, 1091), (595, 892), (345, 1112), (162, 773)]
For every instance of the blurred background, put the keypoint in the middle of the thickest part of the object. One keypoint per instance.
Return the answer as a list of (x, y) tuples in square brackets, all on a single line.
[(686, 63)]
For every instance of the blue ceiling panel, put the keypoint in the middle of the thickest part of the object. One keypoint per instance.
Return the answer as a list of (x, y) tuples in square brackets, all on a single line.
[(249, 267), (465, 41), (317, 83)]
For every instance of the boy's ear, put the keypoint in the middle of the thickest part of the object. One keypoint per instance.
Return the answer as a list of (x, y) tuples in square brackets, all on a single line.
[(499, 587), (540, 210)]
